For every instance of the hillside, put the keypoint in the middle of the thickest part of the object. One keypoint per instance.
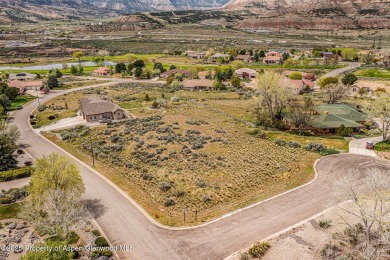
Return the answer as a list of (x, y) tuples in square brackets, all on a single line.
[(41, 10), (307, 14)]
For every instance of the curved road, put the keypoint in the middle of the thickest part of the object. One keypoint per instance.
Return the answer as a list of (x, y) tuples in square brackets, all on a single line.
[(124, 223)]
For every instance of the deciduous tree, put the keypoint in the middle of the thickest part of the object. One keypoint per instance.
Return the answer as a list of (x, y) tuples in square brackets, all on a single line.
[(379, 111), (9, 135), (78, 55), (349, 79), (11, 93), (53, 204), (5, 102), (274, 96), (369, 193), (333, 93)]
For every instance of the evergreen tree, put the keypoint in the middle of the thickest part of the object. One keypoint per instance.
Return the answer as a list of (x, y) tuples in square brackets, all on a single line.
[(73, 70), (52, 81)]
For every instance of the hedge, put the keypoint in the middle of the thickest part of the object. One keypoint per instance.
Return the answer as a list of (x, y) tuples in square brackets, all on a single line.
[(15, 174)]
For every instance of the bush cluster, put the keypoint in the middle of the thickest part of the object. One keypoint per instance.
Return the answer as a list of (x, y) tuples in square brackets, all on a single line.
[(259, 249), (15, 174), (13, 195)]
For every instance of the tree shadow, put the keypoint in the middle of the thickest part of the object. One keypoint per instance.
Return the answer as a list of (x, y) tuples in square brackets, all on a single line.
[(95, 207)]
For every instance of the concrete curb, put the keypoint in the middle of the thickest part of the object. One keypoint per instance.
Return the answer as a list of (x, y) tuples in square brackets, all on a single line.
[(94, 222)]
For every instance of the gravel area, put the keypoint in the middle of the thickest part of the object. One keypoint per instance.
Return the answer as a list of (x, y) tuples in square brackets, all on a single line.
[(305, 241)]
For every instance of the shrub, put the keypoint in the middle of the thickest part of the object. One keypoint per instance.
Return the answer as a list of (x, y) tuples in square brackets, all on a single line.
[(201, 183), (20, 151), (96, 233), (27, 163), (328, 151), (329, 252), (97, 253), (244, 256), (344, 131), (41, 107), (259, 249), (353, 233), (146, 176), (293, 144), (280, 142), (6, 200), (205, 198), (15, 174), (315, 147), (155, 105), (258, 133), (169, 202), (101, 242), (324, 224), (73, 237), (165, 186), (51, 117), (296, 76)]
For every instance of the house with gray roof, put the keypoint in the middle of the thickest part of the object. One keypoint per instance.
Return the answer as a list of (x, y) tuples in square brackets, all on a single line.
[(23, 76), (96, 108)]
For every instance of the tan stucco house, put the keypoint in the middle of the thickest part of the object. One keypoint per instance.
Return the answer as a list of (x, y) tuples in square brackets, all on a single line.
[(97, 108)]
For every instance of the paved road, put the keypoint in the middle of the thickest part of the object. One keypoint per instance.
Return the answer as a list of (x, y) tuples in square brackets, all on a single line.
[(19, 183), (358, 146), (335, 73), (124, 223)]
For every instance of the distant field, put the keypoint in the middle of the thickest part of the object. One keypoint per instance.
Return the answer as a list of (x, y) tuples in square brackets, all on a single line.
[(374, 73), (186, 155)]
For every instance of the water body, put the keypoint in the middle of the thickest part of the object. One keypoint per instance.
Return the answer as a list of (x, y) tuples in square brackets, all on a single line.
[(55, 66)]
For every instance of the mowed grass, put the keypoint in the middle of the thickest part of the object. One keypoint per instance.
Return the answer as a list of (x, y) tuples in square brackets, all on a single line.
[(231, 168), (9, 211), (20, 101), (374, 73)]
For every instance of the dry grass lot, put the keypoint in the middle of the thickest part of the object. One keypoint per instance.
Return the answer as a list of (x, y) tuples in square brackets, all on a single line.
[(185, 155)]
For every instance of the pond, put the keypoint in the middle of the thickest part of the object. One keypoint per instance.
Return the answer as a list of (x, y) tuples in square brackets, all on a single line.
[(55, 66)]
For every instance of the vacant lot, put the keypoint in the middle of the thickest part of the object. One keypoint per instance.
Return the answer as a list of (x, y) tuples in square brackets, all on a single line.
[(184, 155)]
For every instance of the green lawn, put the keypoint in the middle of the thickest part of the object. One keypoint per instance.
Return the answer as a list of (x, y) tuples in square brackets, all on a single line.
[(374, 73), (20, 101), (382, 147), (9, 211)]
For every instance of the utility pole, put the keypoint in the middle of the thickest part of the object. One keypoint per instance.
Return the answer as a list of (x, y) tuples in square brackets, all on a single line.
[(36, 89), (93, 156), (184, 214)]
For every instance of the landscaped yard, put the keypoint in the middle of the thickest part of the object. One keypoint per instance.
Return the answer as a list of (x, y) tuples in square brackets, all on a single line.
[(184, 156), (374, 73), (20, 101)]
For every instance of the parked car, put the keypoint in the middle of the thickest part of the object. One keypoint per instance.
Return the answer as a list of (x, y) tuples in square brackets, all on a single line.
[(19, 107), (370, 145)]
